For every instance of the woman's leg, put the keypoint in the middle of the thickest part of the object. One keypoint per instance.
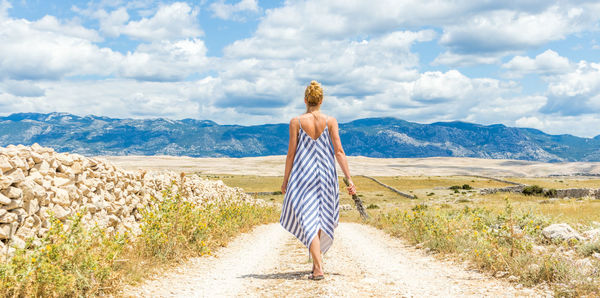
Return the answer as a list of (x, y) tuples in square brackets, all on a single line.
[(315, 252)]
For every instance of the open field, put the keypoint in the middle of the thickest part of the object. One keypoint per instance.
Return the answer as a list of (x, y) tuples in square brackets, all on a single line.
[(499, 233), (432, 166), (494, 232)]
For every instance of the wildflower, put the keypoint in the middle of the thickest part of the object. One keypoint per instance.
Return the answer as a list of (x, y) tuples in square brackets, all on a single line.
[(33, 260)]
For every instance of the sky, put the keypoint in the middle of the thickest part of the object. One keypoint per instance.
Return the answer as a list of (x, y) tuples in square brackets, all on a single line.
[(526, 63)]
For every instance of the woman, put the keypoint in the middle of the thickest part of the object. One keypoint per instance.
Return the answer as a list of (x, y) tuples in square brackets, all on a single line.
[(310, 184)]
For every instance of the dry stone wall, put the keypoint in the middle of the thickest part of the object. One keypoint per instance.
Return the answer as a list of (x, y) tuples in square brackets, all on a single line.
[(37, 181)]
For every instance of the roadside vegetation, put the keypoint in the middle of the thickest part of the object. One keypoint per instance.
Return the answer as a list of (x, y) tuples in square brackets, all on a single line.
[(498, 233), (506, 242), (75, 261)]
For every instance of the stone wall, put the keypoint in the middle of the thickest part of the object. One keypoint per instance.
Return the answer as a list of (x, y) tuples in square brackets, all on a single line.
[(36, 182), (560, 193), (578, 193), (518, 188)]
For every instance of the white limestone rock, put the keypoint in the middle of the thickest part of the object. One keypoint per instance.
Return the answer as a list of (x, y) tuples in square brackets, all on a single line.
[(64, 159), (61, 197), (561, 231), (7, 230), (9, 217), (592, 235), (4, 200), (43, 167), (16, 175), (5, 166), (13, 192)]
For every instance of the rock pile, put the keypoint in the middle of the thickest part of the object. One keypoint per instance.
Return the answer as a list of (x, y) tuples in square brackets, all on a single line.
[(36, 182)]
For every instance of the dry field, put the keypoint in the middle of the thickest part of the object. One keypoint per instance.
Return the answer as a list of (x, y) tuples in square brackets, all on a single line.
[(497, 233), (427, 178), (432, 166)]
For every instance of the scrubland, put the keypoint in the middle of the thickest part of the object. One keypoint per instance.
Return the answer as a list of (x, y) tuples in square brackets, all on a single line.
[(498, 233)]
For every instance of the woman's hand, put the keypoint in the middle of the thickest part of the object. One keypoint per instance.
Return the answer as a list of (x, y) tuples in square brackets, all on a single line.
[(352, 188), (283, 187)]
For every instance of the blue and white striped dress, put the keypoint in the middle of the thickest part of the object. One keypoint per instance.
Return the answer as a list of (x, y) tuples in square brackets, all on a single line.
[(311, 199)]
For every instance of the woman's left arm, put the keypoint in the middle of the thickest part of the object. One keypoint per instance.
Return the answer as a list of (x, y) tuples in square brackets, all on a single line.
[(289, 161)]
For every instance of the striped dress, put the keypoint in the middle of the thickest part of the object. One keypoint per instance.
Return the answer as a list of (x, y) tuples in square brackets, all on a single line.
[(311, 200)]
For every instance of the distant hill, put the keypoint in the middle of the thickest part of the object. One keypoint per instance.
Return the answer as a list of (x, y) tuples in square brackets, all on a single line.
[(373, 137)]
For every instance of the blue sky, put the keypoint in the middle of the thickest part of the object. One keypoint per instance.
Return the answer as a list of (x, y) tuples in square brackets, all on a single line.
[(528, 63)]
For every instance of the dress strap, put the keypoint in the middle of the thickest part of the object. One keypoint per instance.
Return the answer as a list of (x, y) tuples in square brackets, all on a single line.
[(299, 122)]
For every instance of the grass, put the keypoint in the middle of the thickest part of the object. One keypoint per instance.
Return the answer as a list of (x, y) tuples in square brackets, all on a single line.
[(481, 228), (76, 261), (495, 232), (497, 241), (562, 182), (428, 182)]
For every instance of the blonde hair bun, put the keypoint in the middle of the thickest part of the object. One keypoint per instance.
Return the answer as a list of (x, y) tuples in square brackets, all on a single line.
[(313, 93)]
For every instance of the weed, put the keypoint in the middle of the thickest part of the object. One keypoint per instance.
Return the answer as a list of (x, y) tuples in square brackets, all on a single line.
[(77, 261)]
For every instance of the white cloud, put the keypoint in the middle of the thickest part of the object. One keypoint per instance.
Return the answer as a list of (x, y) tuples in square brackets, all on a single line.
[(497, 33), (72, 29), (171, 22), (31, 50), (587, 124), (51, 49), (460, 60), (435, 87), (362, 51), (21, 88), (235, 12), (576, 92), (546, 63), (165, 60), (112, 23), (4, 7), (503, 30)]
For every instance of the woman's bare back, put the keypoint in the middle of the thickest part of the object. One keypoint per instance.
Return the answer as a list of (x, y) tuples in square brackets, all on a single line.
[(313, 124)]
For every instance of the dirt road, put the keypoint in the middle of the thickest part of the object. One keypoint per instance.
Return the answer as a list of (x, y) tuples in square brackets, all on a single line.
[(363, 262)]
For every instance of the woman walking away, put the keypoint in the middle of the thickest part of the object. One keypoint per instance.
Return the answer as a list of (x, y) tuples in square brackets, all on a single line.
[(310, 183)]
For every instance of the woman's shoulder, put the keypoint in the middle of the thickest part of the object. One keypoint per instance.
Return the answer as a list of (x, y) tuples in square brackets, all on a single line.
[(295, 120), (330, 119)]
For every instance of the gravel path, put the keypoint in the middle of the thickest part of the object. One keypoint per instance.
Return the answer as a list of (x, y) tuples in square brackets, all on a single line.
[(363, 261)]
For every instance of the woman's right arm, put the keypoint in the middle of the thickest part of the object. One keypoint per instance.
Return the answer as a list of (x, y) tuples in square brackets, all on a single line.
[(340, 155), (289, 160)]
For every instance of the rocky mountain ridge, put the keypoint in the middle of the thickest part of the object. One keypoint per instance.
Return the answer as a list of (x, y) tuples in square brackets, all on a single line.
[(372, 137)]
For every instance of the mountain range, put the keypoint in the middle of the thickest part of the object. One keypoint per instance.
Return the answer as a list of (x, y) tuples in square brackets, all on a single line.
[(372, 137)]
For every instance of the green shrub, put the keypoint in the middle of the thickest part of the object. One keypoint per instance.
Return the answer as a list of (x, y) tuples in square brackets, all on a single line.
[(551, 193), (372, 206), (532, 190), (457, 187)]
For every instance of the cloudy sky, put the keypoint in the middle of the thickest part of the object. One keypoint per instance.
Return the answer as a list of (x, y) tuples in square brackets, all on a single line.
[(526, 63)]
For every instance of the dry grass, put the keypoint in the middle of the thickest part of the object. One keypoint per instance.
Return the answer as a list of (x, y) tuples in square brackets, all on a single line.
[(563, 182), (430, 182), (462, 223), (250, 183), (74, 261)]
